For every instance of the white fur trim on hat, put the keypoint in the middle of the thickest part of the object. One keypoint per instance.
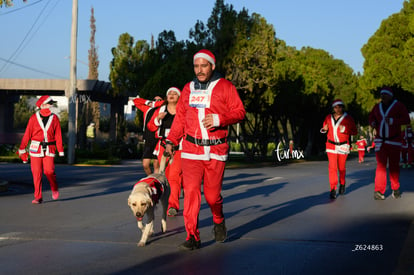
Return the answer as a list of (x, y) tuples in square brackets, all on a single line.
[(337, 102), (385, 91), (173, 89), (43, 100), (207, 55)]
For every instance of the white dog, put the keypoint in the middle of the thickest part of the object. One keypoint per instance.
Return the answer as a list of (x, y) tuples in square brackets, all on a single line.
[(143, 199)]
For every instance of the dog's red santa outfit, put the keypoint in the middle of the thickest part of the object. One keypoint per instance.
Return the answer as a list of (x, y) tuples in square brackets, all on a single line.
[(337, 144), (386, 118), (157, 188), (44, 134), (361, 144), (204, 151)]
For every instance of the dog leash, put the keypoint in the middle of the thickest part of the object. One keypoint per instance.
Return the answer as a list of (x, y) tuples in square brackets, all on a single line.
[(163, 163)]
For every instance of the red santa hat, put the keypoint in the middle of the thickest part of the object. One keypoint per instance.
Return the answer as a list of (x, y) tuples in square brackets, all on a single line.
[(387, 91), (44, 99), (207, 55), (337, 102), (173, 89)]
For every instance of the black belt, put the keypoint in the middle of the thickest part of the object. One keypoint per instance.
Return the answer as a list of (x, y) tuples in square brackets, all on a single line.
[(205, 142), (44, 144), (337, 143)]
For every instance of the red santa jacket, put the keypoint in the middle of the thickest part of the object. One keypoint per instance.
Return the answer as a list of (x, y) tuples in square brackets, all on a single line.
[(339, 133), (37, 133), (387, 123), (361, 144), (145, 105), (219, 98)]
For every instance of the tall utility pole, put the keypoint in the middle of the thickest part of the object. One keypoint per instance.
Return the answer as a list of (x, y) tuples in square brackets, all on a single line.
[(71, 93)]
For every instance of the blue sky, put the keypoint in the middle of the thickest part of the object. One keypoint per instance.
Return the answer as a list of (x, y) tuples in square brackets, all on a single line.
[(36, 34)]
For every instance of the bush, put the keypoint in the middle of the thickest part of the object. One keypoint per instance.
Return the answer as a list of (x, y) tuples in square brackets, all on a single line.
[(235, 147)]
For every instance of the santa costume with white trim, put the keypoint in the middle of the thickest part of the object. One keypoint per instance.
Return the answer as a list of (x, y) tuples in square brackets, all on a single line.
[(386, 118), (204, 151), (337, 144), (45, 136)]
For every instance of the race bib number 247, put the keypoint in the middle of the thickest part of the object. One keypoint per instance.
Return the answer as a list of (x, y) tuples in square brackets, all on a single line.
[(200, 99)]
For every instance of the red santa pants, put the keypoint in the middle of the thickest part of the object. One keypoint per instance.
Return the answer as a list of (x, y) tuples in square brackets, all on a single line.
[(211, 173), (336, 163), (39, 166), (174, 175), (361, 154), (391, 154)]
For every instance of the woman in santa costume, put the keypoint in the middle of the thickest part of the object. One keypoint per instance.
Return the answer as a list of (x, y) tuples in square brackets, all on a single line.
[(44, 134), (387, 118), (339, 127), (161, 123), (361, 144)]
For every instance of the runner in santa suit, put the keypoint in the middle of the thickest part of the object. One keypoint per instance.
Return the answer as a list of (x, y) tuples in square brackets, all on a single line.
[(386, 118), (44, 134), (148, 107), (361, 144), (339, 127), (207, 106), (407, 149), (160, 123)]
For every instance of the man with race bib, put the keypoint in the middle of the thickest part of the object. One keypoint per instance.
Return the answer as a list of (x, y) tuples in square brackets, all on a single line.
[(207, 106)]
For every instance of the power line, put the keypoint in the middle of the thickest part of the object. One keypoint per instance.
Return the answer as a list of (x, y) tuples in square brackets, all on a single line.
[(21, 45), (17, 9), (37, 29), (31, 69)]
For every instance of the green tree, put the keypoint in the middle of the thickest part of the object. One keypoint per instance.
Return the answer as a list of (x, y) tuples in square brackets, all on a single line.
[(250, 68), (93, 109), (22, 112), (170, 65), (325, 78), (93, 52), (89, 111), (287, 103), (127, 59), (389, 56)]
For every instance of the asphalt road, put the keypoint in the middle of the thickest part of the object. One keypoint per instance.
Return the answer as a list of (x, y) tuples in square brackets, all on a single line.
[(280, 220)]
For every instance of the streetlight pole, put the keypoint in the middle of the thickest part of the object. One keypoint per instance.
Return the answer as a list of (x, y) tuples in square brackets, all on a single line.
[(71, 93)]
